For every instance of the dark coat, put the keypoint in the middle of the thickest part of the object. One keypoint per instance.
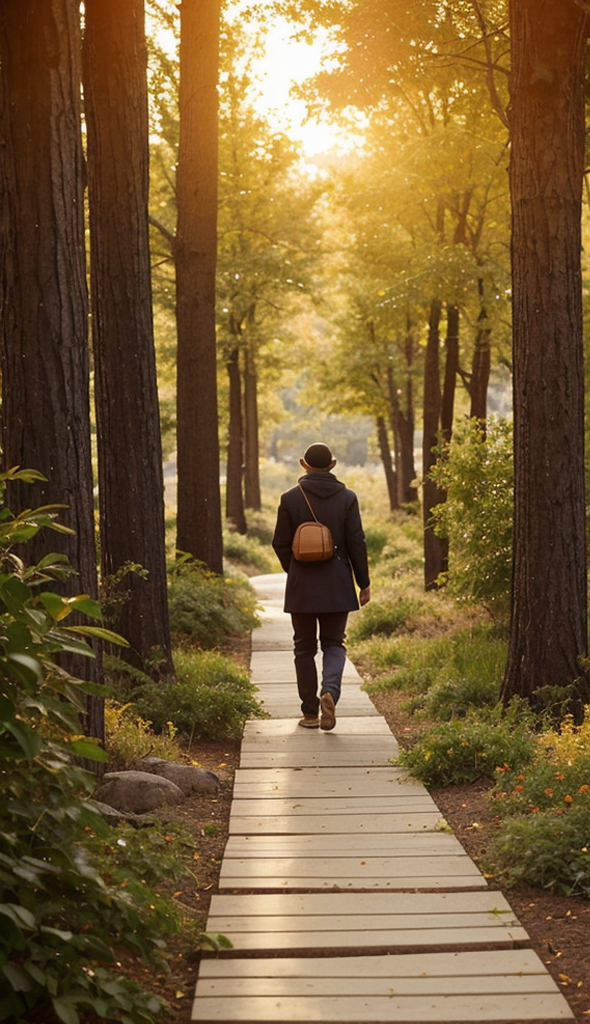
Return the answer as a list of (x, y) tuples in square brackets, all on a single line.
[(322, 586)]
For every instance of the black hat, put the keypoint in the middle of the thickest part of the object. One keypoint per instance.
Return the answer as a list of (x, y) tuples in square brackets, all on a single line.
[(318, 456)]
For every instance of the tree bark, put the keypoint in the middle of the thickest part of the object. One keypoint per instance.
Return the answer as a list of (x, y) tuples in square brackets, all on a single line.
[(199, 500), (549, 601), (406, 471), (435, 548), (131, 486), (451, 368), (385, 453), (252, 495), (43, 295), (234, 494), (480, 369)]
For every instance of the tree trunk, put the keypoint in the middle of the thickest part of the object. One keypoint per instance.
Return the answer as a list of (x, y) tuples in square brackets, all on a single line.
[(385, 453), (131, 486), (406, 471), (451, 368), (549, 602), (199, 500), (44, 322), (252, 495), (435, 548), (480, 370), (234, 495)]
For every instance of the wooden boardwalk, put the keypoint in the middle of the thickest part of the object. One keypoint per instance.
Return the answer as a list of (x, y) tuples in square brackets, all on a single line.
[(344, 895)]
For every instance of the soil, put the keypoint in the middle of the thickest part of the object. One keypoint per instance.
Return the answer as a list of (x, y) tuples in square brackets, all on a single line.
[(558, 926)]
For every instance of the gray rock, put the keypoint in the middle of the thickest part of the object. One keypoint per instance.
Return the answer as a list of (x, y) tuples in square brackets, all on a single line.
[(114, 817), (186, 776), (137, 792)]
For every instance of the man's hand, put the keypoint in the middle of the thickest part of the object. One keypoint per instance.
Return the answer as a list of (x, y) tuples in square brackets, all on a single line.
[(365, 596)]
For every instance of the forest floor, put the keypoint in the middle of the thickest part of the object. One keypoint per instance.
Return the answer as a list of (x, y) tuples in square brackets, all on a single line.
[(558, 926)]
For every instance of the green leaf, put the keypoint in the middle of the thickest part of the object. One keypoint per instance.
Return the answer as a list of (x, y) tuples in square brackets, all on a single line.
[(65, 1011), (17, 979), (28, 741), (19, 915), (55, 605), (86, 748), (101, 633)]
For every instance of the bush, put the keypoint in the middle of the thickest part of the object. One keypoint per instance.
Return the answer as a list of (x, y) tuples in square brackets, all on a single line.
[(466, 749), (477, 475), (468, 676), (385, 618), (129, 738), (248, 551), (543, 837), (59, 919), (205, 608), (211, 699), (546, 848)]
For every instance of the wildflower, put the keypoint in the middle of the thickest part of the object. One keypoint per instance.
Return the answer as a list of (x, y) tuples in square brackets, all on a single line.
[(559, 776), (568, 799), (548, 791), (518, 789), (583, 788), (520, 778), (534, 810)]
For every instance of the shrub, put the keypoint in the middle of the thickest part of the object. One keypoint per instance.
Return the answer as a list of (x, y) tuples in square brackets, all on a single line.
[(385, 618), (211, 699), (205, 608), (468, 677), (129, 738), (477, 474), (469, 748), (248, 551), (59, 919), (546, 848)]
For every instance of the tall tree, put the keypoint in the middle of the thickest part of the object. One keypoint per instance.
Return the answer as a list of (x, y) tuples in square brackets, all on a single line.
[(131, 489), (43, 296), (548, 633), (199, 500)]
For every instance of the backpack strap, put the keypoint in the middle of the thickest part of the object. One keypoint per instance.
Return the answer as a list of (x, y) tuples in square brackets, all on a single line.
[(308, 502)]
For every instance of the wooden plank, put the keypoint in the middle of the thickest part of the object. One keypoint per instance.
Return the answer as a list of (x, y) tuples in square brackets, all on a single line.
[(277, 730), (336, 805), (501, 963), (281, 701), (336, 824), (354, 872), (412, 938), (353, 904), (398, 1010), (415, 844), (328, 752), (305, 782), (290, 987), (364, 923)]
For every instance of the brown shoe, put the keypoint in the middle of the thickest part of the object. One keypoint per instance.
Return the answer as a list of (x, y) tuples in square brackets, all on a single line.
[(309, 722), (328, 720)]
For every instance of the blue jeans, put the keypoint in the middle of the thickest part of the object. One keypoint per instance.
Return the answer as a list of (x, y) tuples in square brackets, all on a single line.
[(332, 627)]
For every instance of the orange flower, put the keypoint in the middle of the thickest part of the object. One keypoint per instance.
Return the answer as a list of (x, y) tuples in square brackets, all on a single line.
[(520, 777), (534, 810), (549, 791), (517, 789), (583, 788), (558, 775), (568, 799)]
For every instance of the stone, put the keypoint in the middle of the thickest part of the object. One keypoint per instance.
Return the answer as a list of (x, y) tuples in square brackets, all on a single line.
[(187, 777), (138, 792)]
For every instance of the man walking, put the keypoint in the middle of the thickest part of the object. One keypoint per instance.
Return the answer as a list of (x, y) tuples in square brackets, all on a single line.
[(321, 594)]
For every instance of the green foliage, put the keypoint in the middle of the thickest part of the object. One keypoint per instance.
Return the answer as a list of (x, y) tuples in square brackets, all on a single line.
[(60, 918), (211, 699), (129, 738), (376, 538), (205, 608), (472, 747), (248, 551), (385, 618), (468, 675), (542, 838), (477, 474)]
